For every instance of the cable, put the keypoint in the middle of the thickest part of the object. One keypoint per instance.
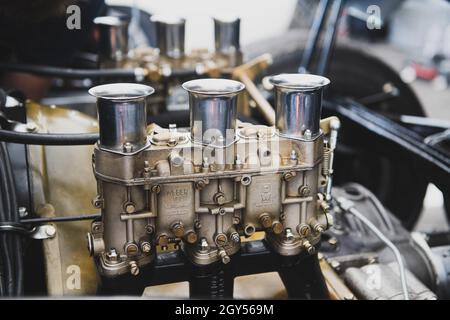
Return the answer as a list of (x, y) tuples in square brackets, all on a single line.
[(49, 139), (348, 206), (61, 219)]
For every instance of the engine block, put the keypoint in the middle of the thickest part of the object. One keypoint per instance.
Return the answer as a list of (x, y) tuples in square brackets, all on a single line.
[(204, 189)]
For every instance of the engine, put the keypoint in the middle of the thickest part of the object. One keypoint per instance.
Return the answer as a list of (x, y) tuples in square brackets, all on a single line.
[(204, 188)]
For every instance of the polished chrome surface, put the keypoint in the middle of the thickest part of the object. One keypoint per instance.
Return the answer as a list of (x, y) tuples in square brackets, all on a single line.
[(122, 115), (226, 34), (113, 32), (298, 104), (169, 32), (213, 109)]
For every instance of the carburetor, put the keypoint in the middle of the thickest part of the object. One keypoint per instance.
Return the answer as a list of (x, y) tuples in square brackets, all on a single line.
[(203, 189)]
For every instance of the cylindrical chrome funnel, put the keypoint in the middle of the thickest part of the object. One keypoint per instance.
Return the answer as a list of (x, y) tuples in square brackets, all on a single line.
[(122, 115), (298, 104), (213, 109), (169, 33), (113, 38), (226, 34)]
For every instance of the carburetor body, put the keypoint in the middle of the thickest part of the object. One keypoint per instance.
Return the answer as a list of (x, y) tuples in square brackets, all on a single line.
[(202, 189)]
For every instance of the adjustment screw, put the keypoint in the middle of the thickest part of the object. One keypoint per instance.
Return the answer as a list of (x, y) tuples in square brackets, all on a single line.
[(163, 240), (303, 230), (319, 228), (277, 227), (266, 220), (200, 184), (131, 249), (191, 237), (309, 247), (221, 240), (288, 176), (178, 229)]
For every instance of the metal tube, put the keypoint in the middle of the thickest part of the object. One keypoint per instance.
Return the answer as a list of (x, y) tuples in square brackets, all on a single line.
[(313, 37), (213, 109), (170, 33), (226, 36), (122, 115), (298, 104), (113, 38)]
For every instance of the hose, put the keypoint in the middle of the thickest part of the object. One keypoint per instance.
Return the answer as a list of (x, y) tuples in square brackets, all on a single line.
[(11, 251), (348, 206), (137, 74), (50, 71), (49, 139)]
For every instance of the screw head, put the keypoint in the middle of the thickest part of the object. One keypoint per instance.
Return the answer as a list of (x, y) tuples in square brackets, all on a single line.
[(200, 184), (221, 239), (131, 249), (288, 176), (156, 189), (50, 230), (277, 227), (146, 247), (304, 191), (191, 237), (235, 237), (266, 220), (130, 208), (149, 229), (303, 230), (178, 229), (219, 198)]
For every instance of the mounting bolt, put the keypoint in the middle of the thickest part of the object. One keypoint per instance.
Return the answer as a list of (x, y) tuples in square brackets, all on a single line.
[(127, 147), (234, 236), (219, 198), (112, 256), (304, 191), (200, 184), (288, 234)]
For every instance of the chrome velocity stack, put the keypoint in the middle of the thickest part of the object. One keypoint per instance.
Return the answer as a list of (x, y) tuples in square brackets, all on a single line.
[(213, 110), (113, 32), (122, 116), (226, 37), (170, 33), (298, 104)]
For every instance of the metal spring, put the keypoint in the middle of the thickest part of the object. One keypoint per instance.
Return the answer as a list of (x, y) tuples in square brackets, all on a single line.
[(326, 161)]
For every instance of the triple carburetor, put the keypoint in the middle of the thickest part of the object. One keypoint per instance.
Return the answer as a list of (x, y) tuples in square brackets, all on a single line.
[(205, 189)]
